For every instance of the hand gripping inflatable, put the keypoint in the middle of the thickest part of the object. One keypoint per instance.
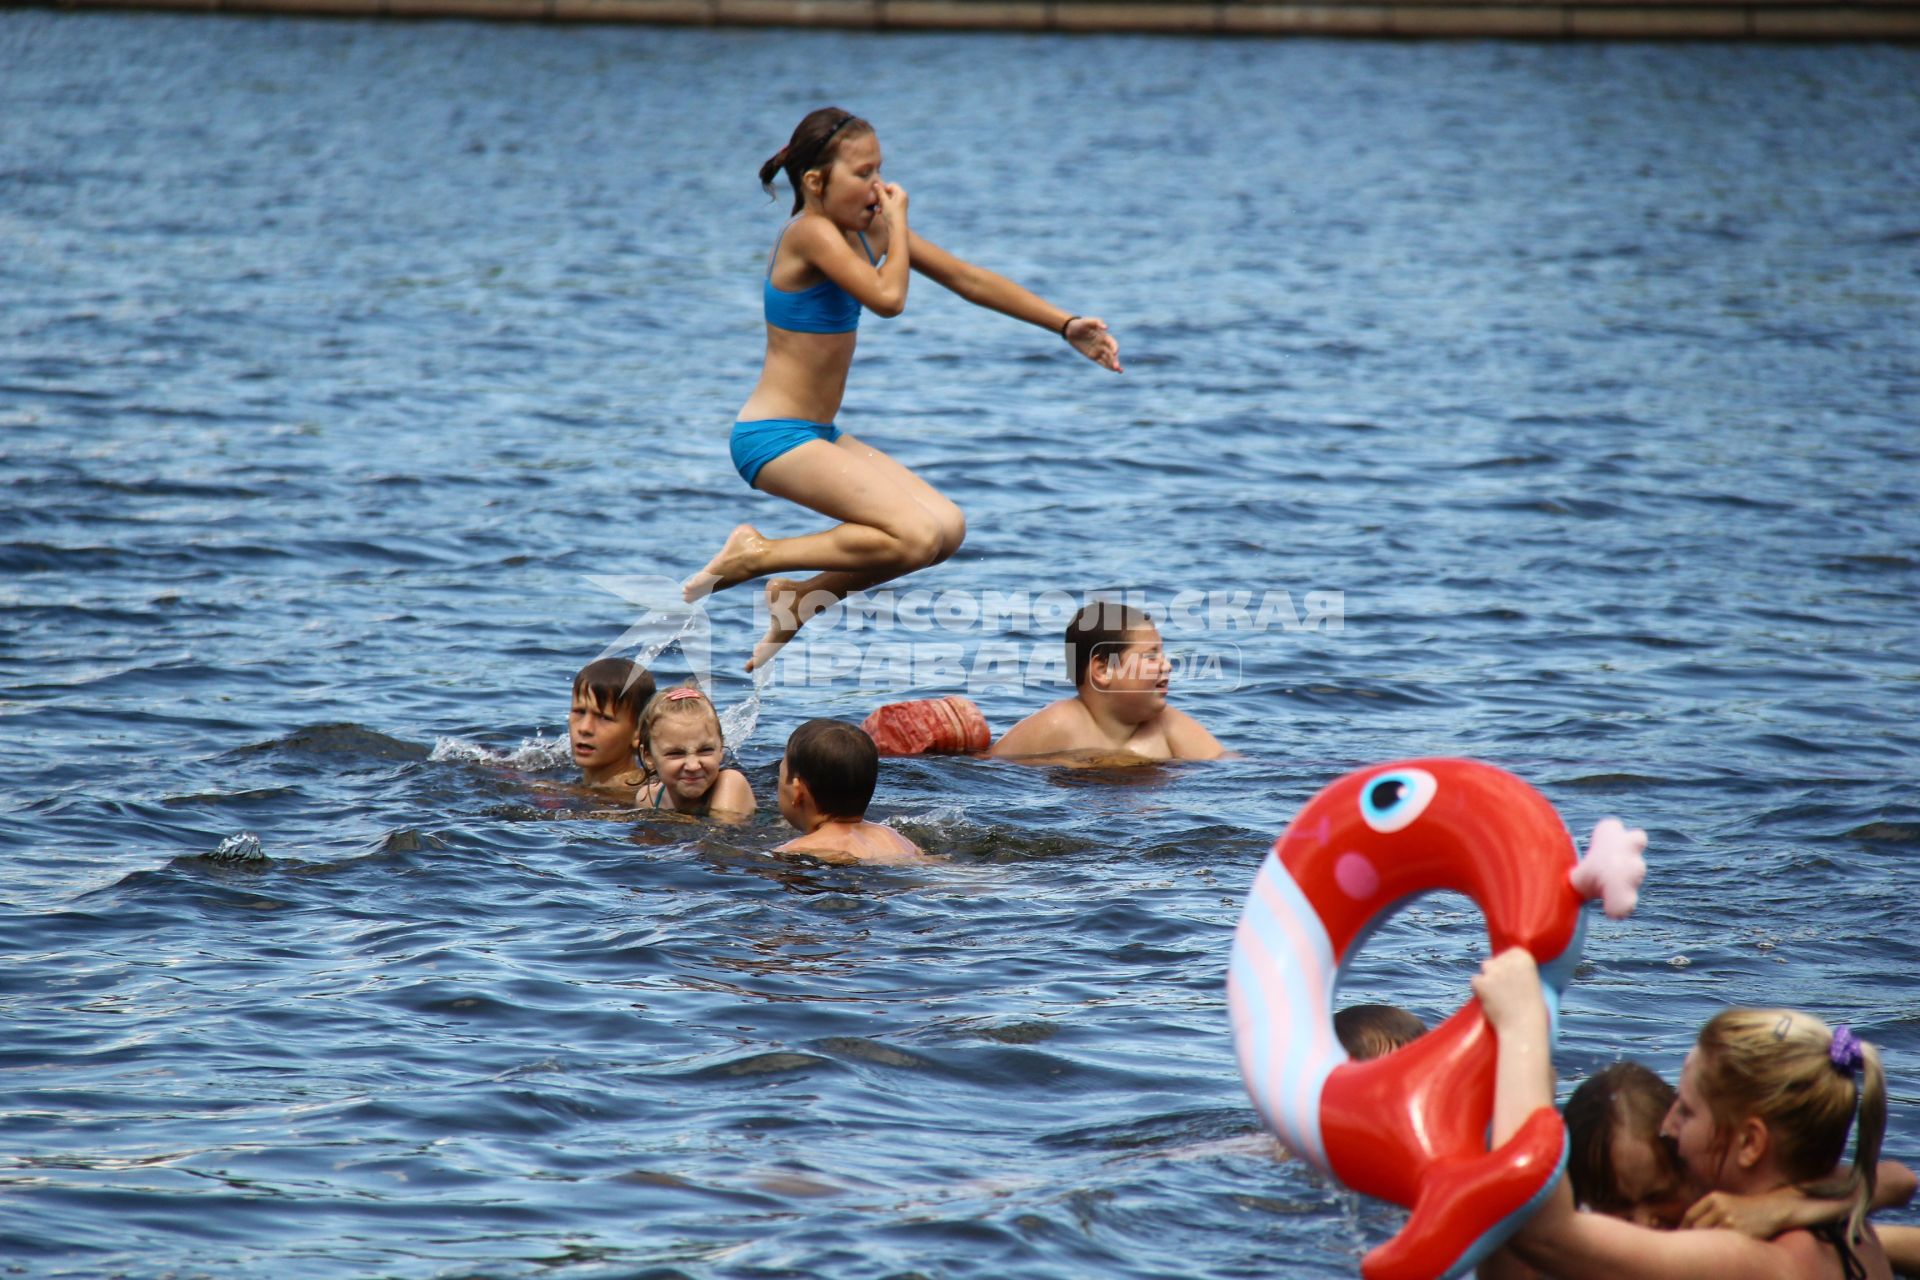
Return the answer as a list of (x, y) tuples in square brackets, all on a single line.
[(1411, 1127)]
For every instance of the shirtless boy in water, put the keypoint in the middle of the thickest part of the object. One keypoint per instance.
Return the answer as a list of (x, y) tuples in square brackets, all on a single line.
[(603, 723), (826, 780), (1119, 707)]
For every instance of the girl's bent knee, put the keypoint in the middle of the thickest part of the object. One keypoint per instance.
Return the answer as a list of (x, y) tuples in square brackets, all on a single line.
[(953, 532), (917, 547)]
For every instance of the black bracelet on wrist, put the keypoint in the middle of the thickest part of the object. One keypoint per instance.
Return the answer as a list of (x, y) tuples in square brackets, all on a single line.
[(1063, 326)]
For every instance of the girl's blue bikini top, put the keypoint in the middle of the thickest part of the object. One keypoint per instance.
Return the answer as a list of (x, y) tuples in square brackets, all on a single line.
[(825, 308)]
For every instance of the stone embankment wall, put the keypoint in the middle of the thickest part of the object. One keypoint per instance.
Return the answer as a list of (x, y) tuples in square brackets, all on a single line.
[(1536, 19)]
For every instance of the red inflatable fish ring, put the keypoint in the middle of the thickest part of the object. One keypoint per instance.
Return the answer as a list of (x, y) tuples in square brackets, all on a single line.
[(1411, 1127)]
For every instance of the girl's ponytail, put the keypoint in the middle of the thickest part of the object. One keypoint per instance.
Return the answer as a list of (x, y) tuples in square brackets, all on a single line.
[(1870, 1128), (772, 167)]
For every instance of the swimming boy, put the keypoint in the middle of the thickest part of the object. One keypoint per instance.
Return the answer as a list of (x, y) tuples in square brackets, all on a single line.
[(1368, 1031), (826, 780), (1119, 706), (603, 724)]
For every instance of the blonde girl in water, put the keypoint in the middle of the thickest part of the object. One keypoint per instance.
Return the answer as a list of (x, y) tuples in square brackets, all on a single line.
[(1767, 1099), (683, 749), (847, 247)]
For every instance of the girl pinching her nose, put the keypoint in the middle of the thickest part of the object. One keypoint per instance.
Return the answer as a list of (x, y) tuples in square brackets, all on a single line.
[(847, 247)]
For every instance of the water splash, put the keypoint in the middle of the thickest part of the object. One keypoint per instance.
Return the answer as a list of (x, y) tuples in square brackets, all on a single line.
[(537, 752), (242, 846), (737, 722), (666, 619)]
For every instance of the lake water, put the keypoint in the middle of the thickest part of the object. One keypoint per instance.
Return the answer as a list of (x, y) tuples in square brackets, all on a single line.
[(339, 359)]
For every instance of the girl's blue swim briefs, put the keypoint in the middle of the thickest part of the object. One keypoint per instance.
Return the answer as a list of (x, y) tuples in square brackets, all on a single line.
[(755, 444)]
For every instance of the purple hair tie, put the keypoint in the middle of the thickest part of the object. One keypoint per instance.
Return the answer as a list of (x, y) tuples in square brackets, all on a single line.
[(1845, 1051)]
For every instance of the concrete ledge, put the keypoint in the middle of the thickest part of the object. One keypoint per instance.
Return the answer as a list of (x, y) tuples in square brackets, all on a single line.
[(1416, 19), (1307, 19), (966, 15), (497, 9), (1090, 15), (1662, 23), (1478, 20), (671, 13), (1887, 23), (196, 6), (797, 13), (314, 8)]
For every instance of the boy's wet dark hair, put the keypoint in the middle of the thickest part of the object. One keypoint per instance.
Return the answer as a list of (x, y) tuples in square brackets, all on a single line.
[(1626, 1096), (1374, 1030), (1099, 631), (614, 685), (839, 764), (812, 146)]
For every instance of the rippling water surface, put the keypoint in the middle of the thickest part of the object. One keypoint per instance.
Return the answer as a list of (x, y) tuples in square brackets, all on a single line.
[(336, 358)]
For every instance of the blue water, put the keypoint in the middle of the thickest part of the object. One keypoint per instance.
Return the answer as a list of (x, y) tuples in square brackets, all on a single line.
[(336, 358)]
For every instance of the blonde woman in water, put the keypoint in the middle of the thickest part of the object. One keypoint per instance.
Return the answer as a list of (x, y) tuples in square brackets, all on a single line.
[(847, 247)]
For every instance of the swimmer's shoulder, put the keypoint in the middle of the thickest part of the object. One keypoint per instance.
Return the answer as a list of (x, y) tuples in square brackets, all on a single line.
[(631, 785), (886, 841), (1060, 726), (870, 842), (1815, 1255), (734, 792), (1187, 738)]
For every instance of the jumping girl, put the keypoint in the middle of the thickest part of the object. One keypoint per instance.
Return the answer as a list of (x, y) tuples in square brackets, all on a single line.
[(1766, 1100), (847, 247), (682, 746)]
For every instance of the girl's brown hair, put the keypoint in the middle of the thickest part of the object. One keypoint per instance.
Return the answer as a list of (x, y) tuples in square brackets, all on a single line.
[(1808, 1083), (816, 140)]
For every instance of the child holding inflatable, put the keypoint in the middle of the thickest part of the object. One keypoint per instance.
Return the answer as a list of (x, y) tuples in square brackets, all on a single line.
[(1766, 1100), (848, 247), (682, 745)]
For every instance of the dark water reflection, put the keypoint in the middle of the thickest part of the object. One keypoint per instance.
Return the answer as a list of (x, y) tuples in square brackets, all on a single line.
[(337, 356)]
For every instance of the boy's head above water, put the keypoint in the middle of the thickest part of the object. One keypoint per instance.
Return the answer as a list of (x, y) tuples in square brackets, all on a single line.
[(1115, 654), (1118, 711), (1617, 1162), (1369, 1031), (829, 771), (603, 722)]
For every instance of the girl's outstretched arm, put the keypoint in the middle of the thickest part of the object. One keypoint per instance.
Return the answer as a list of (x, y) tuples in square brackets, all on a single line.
[(983, 288)]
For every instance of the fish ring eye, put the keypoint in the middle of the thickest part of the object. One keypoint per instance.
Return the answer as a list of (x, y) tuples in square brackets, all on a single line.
[(1391, 801)]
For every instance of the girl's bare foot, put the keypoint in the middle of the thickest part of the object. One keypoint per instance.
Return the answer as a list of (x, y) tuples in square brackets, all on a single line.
[(731, 566), (784, 620)]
